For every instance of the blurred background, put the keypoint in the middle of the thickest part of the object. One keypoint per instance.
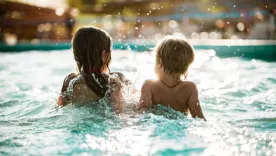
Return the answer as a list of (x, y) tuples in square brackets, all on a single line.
[(40, 21)]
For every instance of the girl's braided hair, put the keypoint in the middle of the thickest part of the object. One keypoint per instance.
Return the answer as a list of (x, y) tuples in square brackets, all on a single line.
[(88, 45)]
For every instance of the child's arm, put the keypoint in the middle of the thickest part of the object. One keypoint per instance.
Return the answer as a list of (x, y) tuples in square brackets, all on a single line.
[(194, 105), (117, 99), (116, 91), (122, 78), (63, 99), (146, 96)]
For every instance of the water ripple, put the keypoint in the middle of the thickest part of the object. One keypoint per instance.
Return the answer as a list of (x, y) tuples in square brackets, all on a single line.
[(238, 97)]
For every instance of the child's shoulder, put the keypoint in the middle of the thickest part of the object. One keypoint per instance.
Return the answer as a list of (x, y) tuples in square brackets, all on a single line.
[(149, 82), (188, 85), (121, 76), (67, 81)]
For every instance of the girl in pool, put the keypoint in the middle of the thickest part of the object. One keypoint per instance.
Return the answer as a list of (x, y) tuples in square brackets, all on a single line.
[(173, 57), (92, 53)]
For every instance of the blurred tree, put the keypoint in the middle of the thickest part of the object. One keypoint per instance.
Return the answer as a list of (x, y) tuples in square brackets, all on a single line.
[(80, 4), (103, 1), (144, 7), (75, 4)]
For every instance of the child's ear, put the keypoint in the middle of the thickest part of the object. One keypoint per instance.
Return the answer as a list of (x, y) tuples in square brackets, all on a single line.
[(105, 56), (160, 65)]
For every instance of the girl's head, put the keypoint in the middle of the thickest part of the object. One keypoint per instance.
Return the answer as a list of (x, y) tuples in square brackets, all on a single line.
[(92, 50), (173, 56), (92, 53)]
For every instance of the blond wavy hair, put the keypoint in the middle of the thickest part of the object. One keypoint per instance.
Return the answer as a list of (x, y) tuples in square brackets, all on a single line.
[(175, 54)]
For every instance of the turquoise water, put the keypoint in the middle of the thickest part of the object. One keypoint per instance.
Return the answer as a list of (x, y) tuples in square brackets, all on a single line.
[(238, 97)]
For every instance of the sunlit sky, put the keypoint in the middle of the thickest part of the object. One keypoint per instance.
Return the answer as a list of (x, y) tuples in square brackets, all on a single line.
[(45, 3)]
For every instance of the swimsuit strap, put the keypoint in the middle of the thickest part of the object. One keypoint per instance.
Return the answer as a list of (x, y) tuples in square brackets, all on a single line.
[(170, 86)]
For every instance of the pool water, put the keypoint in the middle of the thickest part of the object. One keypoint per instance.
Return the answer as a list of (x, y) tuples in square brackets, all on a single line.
[(238, 98)]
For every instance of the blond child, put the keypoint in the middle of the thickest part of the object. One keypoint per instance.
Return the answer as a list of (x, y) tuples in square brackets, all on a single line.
[(173, 57)]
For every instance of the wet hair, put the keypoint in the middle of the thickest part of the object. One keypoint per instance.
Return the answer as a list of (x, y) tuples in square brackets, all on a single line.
[(88, 45), (175, 54)]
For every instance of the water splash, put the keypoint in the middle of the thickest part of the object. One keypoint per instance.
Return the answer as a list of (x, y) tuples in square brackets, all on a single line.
[(237, 97)]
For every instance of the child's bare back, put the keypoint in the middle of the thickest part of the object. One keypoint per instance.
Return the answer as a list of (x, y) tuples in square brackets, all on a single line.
[(173, 57), (182, 97)]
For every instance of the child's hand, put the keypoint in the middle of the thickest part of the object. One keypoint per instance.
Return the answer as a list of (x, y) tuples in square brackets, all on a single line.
[(115, 90)]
